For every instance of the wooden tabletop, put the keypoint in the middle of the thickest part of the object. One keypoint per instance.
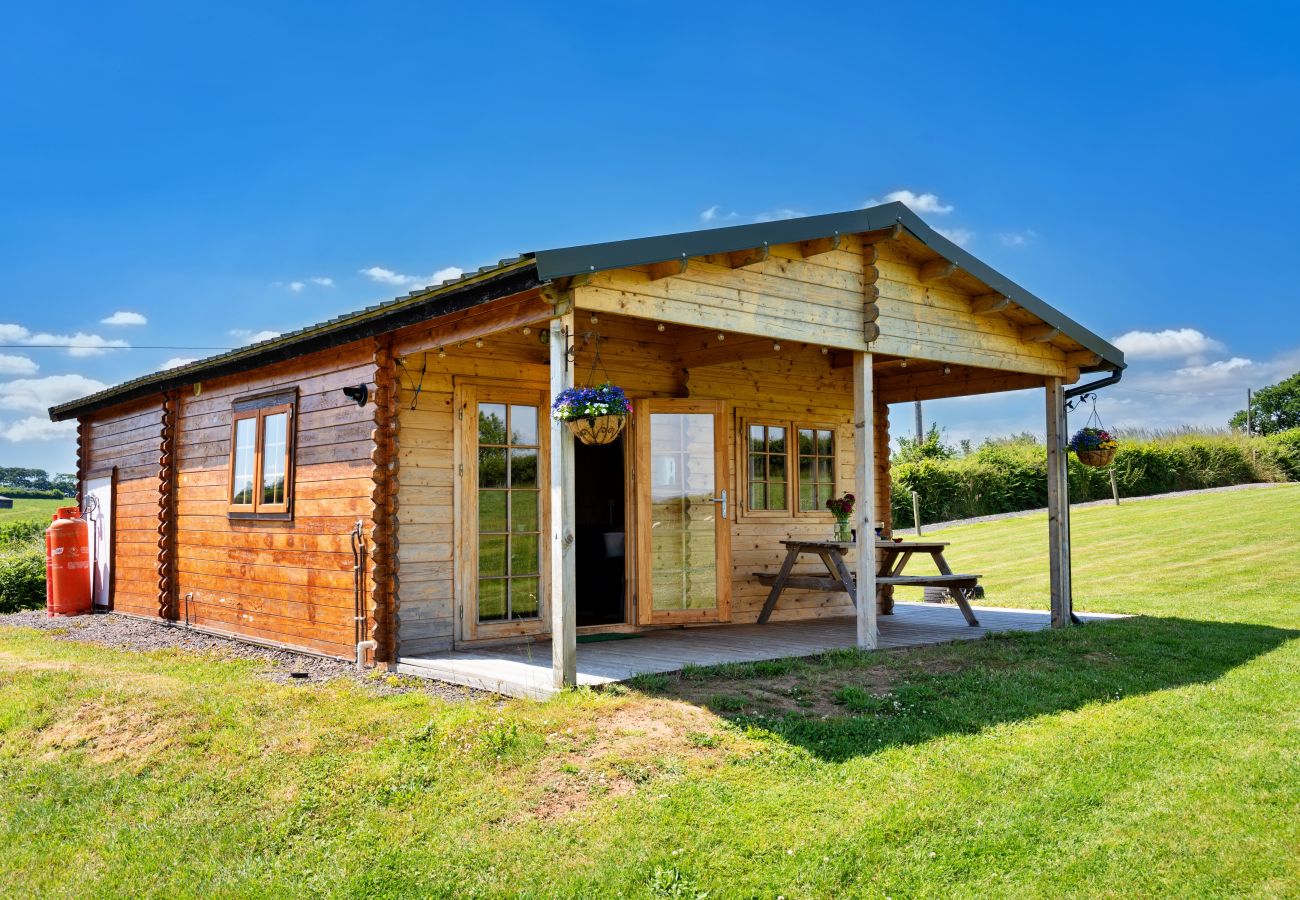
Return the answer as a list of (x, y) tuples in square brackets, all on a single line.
[(845, 545)]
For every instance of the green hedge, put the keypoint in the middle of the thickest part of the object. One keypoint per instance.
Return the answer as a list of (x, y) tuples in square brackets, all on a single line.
[(21, 493), (1011, 475), (22, 576)]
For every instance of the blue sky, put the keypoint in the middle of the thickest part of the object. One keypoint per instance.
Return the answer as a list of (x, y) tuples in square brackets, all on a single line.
[(223, 170)]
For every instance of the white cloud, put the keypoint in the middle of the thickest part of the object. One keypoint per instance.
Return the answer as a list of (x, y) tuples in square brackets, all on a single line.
[(79, 344), (396, 279), (248, 336), (1016, 239), (16, 365), (714, 215), (959, 236), (921, 203), (1165, 344), (123, 317), (39, 428), (1216, 370), (177, 361), (322, 280), (295, 286), (777, 214), (39, 394), (13, 334)]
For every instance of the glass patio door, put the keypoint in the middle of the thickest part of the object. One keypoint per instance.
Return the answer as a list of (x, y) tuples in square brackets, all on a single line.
[(684, 512)]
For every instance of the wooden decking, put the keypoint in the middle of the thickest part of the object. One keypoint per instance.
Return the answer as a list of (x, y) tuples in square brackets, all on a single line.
[(525, 670)]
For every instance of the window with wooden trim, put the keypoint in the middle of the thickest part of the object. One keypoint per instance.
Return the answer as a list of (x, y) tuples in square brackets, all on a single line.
[(789, 467), (816, 449), (768, 467), (261, 456)]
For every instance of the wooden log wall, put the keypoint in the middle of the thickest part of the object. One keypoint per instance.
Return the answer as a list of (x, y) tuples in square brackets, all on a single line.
[(130, 439), (384, 558), (285, 582), (167, 508)]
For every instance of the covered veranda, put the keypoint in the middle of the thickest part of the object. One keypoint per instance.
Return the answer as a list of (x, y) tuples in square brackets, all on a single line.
[(524, 670)]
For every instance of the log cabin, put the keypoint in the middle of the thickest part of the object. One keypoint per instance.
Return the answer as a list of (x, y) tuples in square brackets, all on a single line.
[(388, 486)]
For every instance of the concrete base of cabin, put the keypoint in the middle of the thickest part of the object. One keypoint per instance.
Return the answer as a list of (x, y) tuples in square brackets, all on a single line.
[(525, 670)]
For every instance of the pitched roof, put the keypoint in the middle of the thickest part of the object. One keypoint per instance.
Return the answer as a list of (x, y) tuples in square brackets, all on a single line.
[(530, 270)]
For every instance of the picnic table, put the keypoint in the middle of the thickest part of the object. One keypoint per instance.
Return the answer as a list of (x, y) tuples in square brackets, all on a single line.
[(892, 558)]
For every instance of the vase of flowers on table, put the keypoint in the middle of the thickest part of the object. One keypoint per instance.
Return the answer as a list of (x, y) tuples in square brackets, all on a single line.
[(595, 415), (842, 509), (1094, 446)]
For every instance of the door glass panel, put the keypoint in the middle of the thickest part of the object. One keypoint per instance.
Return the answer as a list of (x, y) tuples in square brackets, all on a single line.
[(683, 517), (509, 512)]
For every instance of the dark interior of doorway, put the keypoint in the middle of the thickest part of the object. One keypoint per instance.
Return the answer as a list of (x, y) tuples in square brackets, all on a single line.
[(599, 517)]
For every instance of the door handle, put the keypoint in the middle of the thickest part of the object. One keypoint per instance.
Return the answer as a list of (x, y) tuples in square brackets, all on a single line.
[(723, 501)]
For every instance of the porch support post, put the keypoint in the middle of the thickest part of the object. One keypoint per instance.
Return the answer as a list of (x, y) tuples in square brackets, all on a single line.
[(864, 443), (562, 580), (1058, 505)]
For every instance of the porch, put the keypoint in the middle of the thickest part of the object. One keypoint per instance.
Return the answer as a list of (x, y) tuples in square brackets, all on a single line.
[(525, 670)]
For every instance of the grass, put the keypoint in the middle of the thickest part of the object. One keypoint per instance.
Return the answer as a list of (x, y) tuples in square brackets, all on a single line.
[(1152, 755), (25, 510)]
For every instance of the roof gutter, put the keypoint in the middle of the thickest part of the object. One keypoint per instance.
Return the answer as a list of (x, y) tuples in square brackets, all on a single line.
[(1112, 378)]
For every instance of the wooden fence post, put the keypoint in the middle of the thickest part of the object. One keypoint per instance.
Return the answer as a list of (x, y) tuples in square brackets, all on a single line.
[(1058, 505)]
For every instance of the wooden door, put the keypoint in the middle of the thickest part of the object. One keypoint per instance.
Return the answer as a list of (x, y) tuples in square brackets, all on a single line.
[(683, 512)]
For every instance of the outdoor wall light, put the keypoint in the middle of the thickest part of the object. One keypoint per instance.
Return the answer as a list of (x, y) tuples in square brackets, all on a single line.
[(359, 394)]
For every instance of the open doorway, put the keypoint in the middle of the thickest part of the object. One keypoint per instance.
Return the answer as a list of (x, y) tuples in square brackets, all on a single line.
[(599, 517)]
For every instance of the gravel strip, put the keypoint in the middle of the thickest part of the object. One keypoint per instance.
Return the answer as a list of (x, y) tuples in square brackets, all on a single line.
[(127, 633), (1043, 511)]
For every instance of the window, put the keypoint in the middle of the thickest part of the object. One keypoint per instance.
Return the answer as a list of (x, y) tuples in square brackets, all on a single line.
[(767, 467), (789, 467), (816, 468), (261, 456), (509, 512)]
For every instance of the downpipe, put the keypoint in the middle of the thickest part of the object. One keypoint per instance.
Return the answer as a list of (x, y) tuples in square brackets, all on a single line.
[(359, 595)]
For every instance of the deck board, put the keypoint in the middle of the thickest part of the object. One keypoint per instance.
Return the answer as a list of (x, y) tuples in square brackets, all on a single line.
[(525, 670)]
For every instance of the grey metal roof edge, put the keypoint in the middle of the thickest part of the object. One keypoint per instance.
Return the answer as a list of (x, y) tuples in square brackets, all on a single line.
[(388, 316), (569, 261)]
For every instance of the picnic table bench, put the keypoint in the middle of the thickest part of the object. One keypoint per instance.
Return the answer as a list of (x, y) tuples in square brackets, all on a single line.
[(892, 558)]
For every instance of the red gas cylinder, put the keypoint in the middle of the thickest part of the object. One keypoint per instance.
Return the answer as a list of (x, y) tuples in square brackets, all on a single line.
[(67, 540)]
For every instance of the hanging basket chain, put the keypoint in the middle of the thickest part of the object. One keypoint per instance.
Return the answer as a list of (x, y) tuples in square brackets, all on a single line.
[(1092, 444)]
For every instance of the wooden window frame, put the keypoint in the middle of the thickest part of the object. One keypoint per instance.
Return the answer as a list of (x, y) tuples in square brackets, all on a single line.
[(792, 511), (259, 408), (746, 423)]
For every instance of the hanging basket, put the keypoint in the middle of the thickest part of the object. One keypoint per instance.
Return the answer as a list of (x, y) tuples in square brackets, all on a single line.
[(1098, 459), (597, 431)]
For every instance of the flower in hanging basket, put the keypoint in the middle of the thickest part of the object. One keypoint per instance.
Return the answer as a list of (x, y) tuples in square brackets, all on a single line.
[(573, 404), (1086, 439), (842, 507)]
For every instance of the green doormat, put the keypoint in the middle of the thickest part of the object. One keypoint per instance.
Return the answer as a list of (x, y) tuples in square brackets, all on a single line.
[(608, 636)]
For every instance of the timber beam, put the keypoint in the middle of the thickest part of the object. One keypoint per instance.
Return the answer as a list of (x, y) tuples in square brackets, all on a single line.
[(936, 270), (821, 245), (713, 353), (668, 268), (987, 304), (1039, 334), (1083, 358), (739, 259), (933, 384)]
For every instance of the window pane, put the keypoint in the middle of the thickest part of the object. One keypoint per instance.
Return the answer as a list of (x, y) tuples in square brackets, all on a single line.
[(776, 440), (756, 440), (491, 599), (824, 473), (523, 425), (241, 488), (524, 514), (491, 423), (275, 437), (825, 443), (757, 467), (776, 496), (776, 468), (491, 555), (491, 512), (757, 496), (524, 597), (523, 554), (805, 469), (807, 498), (806, 442), (523, 468), (491, 467)]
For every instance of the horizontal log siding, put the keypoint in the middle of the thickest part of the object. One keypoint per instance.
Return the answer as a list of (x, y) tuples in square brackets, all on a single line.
[(130, 439), (283, 581)]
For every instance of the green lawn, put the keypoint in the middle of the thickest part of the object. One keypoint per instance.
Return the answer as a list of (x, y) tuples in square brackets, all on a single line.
[(1152, 755), (40, 510)]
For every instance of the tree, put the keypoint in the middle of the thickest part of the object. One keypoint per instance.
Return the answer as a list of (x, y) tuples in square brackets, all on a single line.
[(931, 447), (1272, 409)]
